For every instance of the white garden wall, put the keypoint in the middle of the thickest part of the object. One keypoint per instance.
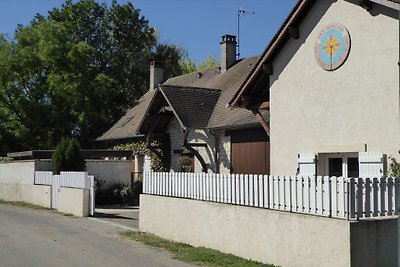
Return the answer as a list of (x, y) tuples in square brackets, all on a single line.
[(35, 194), (276, 237), (74, 201), (110, 171)]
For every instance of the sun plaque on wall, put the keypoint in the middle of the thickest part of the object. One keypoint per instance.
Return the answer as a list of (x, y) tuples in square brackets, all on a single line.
[(332, 46)]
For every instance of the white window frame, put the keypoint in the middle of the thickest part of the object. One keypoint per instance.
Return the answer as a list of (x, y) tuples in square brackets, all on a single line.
[(344, 157)]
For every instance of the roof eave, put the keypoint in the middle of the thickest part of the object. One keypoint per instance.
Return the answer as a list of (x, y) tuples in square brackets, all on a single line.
[(119, 138), (173, 110), (387, 3)]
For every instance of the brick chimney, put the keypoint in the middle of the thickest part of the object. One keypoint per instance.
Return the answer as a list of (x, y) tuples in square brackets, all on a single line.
[(228, 51), (156, 74)]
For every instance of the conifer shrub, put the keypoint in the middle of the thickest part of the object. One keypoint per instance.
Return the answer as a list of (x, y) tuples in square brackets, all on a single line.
[(67, 156)]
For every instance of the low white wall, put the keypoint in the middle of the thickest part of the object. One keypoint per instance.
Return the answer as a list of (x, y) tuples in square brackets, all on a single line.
[(35, 194), (281, 238), (110, 171), (17, 172), (74, 201)]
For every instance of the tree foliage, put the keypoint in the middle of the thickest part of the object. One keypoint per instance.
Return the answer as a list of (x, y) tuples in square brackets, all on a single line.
[(210, 62), (67, 156), (75, 72), (189, 66)]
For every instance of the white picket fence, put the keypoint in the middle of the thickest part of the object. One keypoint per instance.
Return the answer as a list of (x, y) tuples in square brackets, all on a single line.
[(337, 197), (79, 180)]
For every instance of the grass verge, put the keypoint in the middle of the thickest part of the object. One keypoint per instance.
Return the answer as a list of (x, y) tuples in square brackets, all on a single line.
[(32, 206), (194, 255)]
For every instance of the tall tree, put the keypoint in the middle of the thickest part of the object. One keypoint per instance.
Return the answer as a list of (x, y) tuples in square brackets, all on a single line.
[(210, 62), (74, 73)]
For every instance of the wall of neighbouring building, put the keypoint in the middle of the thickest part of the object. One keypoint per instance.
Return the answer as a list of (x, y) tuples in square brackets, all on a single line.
[(176, 135), (110, 171), (353, 108), (207, 152), (224, 152), (275, 237)]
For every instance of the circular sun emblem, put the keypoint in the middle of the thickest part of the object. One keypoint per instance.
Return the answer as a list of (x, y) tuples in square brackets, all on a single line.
[(332, 46)]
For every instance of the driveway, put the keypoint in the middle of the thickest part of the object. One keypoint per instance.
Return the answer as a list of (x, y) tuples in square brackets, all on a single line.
[(43, 238), (125, 217)]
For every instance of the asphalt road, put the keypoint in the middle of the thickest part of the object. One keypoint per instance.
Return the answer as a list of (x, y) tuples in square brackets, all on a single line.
[(43, 238)]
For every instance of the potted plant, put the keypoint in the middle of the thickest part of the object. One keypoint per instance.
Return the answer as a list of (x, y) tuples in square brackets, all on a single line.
[(185, 163)]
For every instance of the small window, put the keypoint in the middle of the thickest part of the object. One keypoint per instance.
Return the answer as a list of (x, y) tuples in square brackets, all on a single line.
[(335, 166), (352, 167)]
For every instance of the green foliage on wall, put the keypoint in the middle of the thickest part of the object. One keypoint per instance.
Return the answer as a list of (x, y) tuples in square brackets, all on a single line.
[(67, 156), (154, 151)]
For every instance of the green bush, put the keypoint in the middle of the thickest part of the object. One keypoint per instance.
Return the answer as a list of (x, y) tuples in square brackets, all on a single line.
[(67, 156), (5, 159), (116, 194), (394, 168)]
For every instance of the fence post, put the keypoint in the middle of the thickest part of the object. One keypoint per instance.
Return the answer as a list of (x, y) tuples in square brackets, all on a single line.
[(351, 197), (396, 195), (359, 198)]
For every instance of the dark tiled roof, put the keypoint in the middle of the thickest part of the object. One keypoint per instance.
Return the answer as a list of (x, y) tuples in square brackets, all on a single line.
[(228, 82), (193, 106), (128, 125)]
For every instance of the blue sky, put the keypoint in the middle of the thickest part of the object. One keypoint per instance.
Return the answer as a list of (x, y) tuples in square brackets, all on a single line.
[(195, 25)]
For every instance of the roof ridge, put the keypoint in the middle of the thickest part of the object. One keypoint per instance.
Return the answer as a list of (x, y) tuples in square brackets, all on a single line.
[(190, 87)]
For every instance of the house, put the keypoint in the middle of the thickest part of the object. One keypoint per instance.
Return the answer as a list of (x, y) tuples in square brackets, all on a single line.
[(190, 113), (332, 72)]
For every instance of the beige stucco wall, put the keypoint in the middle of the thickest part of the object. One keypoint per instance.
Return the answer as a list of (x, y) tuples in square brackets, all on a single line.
[(280, 238), (110, 171), (74, 201), (18, 172), (35, 194), (353, 107)]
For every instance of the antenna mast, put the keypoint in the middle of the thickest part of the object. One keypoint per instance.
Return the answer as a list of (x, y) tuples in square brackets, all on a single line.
[(241, 12)]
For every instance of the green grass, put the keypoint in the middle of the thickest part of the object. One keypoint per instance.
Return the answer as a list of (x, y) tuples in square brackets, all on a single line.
[(23, 205), (32, 206), (199, 256)]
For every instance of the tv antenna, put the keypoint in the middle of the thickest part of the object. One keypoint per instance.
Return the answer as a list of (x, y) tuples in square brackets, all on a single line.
[(241, 12)]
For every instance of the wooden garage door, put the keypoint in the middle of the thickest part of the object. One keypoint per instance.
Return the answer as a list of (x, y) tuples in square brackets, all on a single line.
[(250, 152)]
